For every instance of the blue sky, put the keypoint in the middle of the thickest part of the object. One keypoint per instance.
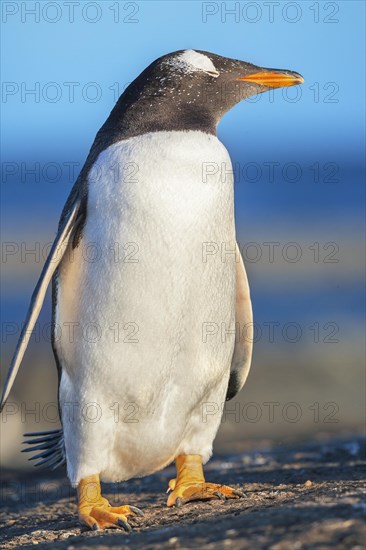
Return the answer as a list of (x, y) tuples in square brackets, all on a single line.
[(325, 44)]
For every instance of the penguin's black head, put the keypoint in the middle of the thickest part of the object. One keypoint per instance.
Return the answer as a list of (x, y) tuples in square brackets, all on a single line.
[(191, 89), (207, 79)]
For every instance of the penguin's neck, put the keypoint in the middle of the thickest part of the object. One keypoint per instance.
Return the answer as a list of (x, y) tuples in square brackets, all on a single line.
[(130, 119)]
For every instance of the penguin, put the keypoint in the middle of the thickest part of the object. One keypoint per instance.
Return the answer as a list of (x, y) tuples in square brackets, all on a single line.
[(149, 289)]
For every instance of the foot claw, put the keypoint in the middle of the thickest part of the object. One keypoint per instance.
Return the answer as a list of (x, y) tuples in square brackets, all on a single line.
[(137, 511), (126, 526), (179, 502), (239, 493), (220, 495)]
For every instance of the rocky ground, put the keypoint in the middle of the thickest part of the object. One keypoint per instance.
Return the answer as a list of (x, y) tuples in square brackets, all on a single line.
[(309, 496)]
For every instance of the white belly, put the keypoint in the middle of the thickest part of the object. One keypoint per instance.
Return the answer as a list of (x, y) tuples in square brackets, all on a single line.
[(136, 301)]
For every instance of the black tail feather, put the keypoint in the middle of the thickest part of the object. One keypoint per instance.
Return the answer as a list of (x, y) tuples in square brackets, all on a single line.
[(40, 440), (52, 447)]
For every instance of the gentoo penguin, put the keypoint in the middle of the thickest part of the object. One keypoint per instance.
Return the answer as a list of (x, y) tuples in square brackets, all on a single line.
[(147, 318)]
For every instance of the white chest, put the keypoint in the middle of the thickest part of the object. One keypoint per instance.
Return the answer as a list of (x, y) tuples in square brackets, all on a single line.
[(164, 183), (160, 211)]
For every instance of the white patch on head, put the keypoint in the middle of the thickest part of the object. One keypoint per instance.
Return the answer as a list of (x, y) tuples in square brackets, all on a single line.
[(190, 61)]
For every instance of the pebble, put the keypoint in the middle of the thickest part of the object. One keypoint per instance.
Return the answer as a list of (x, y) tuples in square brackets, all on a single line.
[(65, 536)]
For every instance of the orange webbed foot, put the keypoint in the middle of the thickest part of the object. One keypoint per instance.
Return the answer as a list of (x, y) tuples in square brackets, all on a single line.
[(190, 484), (95, 511)]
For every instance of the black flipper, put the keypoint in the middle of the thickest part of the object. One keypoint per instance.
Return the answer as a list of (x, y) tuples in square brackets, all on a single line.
[(242, 355)]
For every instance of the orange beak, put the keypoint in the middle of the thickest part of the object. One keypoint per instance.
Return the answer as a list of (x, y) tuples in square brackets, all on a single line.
[(272, 78)]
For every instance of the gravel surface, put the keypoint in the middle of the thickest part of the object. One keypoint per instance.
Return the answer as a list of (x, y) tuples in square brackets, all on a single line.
[(306, 497)]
